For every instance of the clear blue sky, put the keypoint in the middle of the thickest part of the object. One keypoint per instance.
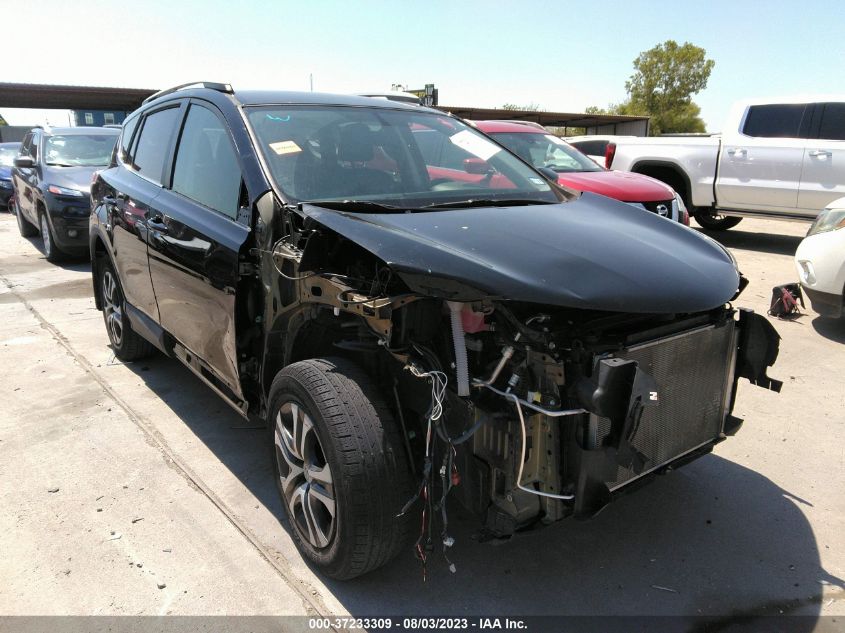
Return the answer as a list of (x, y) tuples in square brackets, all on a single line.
[(563, 56)]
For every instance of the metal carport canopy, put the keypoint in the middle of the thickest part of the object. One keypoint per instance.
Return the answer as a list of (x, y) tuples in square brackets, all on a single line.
[(15, 95), (546, 119), (22, 95)]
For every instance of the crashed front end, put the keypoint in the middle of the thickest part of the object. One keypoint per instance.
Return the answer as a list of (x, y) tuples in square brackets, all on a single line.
[(526, 390), (597, 408)]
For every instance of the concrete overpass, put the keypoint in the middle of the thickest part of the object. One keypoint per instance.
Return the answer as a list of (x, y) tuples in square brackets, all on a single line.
[(15, 95)]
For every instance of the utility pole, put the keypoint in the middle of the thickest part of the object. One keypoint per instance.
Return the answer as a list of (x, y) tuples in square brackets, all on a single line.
[(311, 81)]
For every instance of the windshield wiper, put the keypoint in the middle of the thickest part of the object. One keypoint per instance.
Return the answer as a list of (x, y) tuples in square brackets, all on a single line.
[(356, 205), (501, 202), (61, 165)]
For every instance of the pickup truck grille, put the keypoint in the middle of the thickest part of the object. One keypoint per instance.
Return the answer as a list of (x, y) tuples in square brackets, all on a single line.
[(693, 371)]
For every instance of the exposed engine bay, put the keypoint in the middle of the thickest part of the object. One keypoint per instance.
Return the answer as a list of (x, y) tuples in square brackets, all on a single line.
[(526, 413)]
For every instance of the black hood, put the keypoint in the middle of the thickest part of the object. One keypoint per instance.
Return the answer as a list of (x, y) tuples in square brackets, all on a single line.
[(591, 253)]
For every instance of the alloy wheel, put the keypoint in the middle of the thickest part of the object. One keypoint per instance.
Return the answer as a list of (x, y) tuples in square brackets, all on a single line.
[(306, 478), (112, 307), (45, 235)]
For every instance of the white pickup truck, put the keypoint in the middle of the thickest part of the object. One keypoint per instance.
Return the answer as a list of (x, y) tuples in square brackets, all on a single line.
[(776, 158)]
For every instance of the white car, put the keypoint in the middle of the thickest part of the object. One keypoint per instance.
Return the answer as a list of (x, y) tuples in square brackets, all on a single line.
[(820, 260)]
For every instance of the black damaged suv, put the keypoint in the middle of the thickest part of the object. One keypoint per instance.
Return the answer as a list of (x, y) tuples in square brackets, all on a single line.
[(415, 312)]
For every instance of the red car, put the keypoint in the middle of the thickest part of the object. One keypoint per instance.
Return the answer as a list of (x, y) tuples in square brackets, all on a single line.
[(576, 171)]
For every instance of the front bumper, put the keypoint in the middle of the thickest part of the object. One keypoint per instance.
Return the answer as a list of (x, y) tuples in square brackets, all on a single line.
[(820, 263), (825, 303), (69, 217)]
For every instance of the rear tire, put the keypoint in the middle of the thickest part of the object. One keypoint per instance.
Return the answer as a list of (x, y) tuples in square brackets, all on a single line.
[(713, 221), (339, 465), (26, 228), (126, 343)]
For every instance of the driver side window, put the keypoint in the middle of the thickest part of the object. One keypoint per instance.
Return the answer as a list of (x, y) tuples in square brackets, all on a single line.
[(207, 169)]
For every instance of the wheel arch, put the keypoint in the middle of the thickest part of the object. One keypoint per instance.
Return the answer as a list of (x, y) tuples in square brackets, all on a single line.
[(669, 173), (99, 251), (299, 335)]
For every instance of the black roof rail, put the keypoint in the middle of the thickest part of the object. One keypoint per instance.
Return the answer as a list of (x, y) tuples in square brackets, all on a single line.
[(211, 85)]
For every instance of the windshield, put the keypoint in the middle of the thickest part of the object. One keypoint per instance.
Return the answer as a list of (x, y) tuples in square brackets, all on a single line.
[(397, 158), (546, 150), (7, 155), (75, 150)]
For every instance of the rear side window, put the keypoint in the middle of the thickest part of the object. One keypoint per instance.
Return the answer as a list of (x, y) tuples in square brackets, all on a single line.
[(833, 122), (154, 142), (206, 168), (775, 120)]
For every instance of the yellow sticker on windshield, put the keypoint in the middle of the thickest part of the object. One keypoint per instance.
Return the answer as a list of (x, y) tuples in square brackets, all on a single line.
[(285, 147)]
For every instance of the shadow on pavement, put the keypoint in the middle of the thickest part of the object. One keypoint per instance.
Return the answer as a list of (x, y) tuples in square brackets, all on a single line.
[(713, 538), (75, 263), (755, 241), (831, 329)]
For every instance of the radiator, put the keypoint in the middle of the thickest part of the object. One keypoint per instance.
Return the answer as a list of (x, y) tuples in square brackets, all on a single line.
[(694, 374)]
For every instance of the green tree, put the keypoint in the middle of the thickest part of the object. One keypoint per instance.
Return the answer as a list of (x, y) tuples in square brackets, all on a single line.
[(625, 107), (664, 80)]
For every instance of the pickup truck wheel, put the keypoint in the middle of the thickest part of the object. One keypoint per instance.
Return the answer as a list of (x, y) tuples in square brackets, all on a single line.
[(339, 465), (26, 228), (713, 221), (127, 344)]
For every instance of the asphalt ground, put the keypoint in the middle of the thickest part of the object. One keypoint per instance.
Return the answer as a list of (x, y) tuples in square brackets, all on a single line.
[(118, 478)]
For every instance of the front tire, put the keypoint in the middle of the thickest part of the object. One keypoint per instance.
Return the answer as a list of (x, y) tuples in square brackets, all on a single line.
[(339, 465), (51, 252), (712, 221), (127, 344)]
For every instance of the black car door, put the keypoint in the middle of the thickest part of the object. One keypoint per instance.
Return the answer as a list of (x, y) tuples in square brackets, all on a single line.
[(130, 191), (25, 179), (195, 239)]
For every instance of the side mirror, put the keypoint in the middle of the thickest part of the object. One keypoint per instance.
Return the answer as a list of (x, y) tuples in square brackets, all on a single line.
[(24, 162), (549, 173), (476, 166)]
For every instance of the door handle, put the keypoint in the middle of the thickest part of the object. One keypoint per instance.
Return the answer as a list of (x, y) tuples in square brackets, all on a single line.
[(737, 150), (156, 223), (821, 152)]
